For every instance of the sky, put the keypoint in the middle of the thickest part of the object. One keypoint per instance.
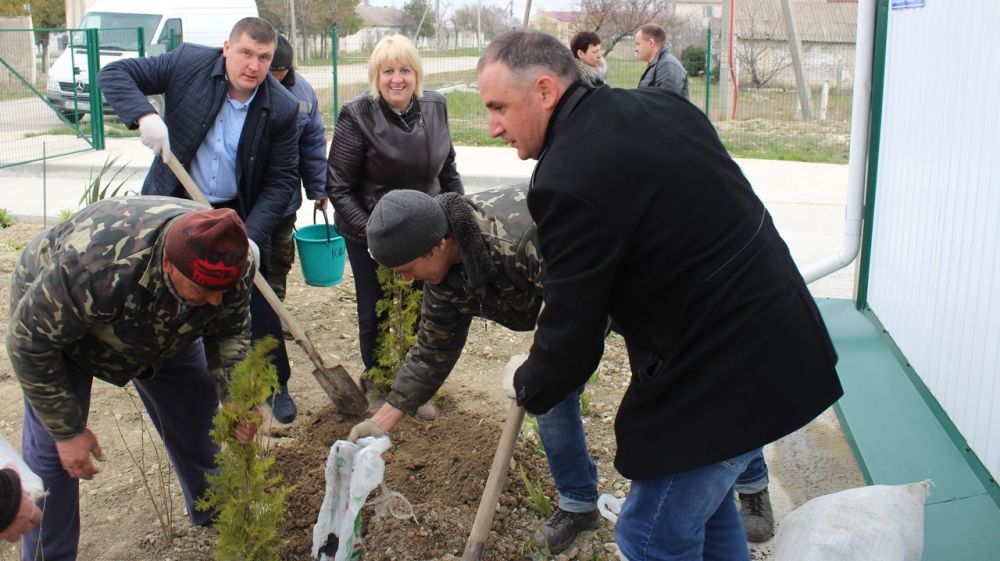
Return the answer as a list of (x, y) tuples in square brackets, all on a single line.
[(536, 5)]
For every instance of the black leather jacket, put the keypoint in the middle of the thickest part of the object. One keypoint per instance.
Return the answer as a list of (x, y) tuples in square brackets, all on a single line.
[(376, 150)]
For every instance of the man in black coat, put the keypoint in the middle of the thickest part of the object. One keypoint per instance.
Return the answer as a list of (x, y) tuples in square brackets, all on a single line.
[(234, 128), (658, 228)]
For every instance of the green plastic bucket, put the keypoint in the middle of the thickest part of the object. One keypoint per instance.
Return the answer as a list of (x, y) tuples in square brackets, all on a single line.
[(321, 253)]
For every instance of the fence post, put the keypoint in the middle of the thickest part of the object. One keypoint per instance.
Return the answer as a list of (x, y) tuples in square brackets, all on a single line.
[(708, 72), (96, 103), (140, 38), (336, 98)]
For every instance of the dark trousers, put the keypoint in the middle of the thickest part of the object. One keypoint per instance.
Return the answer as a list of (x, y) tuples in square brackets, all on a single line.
[(282, 255), (367, 292), (180, 400), (264, 320)]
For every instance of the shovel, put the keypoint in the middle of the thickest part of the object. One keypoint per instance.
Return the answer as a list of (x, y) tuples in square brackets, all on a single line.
[(494, 483), (335, 381)]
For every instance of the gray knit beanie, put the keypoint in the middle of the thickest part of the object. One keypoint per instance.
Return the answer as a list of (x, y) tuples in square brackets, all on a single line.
[(404, 225)]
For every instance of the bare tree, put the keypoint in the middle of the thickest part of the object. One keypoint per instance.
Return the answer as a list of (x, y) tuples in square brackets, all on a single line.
[(616, 20), (762, 47), (494, 20), (314, 17)]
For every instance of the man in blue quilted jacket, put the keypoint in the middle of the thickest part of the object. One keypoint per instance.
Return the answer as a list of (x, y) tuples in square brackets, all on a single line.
[(234, 128)]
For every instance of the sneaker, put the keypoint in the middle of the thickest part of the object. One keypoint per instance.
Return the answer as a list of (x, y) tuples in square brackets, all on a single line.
[(558, 532), (282, 406), (758, 518)]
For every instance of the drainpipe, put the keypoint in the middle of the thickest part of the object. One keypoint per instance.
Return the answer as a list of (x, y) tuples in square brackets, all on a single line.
[(858, 155)]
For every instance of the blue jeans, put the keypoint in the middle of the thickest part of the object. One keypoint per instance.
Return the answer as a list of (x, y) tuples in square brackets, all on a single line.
[(686, 516), (753, 479), (572, 468)]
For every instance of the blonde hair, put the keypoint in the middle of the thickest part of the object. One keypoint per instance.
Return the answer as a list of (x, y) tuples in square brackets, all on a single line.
[(390, 49)]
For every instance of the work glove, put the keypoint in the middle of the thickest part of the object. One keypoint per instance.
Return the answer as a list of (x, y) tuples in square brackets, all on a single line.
[(513, 364), (255, 252), (153, 133), (366, 428)]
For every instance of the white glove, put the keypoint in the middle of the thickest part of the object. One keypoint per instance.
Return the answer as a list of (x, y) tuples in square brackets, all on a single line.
[(513, 364), (153, 133), (255, 251)]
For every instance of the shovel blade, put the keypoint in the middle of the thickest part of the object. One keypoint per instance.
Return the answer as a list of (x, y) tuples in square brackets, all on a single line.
[(343, 392)]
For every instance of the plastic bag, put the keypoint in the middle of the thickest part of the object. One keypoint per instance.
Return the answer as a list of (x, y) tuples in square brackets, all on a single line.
[(352, 472), (30, 483), (610, 506), (875, 523)]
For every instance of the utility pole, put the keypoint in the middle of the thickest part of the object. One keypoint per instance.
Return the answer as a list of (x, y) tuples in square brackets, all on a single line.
[(437, 26), (527, 12), (726, 40), (291, 12), (795, 48), (479, 24)]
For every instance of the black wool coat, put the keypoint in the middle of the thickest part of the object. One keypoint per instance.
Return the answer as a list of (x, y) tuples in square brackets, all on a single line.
[(643, 216)]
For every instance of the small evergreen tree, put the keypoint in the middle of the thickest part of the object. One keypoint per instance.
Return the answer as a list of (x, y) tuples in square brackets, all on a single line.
[(247, 501), (398, 311)]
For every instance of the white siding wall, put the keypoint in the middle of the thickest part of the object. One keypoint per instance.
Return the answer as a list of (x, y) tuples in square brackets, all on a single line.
[(935, 275)]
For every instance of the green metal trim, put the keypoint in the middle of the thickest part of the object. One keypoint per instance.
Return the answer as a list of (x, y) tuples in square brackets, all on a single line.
[(859, 458), (140, 38), (3, 166), (93, 69), (983, 474), (874, 139)]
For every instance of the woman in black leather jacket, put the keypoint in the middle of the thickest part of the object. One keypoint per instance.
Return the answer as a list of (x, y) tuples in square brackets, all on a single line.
[(394, 136)]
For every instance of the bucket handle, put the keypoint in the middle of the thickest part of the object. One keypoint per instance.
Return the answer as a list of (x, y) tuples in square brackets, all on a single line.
[(326, 221)]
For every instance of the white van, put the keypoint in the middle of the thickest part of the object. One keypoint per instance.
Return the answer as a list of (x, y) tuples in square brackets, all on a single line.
[(192, 21)]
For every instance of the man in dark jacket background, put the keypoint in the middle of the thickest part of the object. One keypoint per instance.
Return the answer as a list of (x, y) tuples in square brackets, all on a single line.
[(312, 163), (727, 348), (234, 127), (664, 70)]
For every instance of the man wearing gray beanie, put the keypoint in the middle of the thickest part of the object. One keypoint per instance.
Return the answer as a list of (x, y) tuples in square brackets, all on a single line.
[(404, 225), (477, 257)]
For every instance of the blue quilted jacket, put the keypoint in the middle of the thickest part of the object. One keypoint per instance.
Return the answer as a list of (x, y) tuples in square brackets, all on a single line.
[(193, 81)]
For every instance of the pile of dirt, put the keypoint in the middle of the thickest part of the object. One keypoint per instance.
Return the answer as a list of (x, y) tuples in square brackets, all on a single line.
[(440, 467)]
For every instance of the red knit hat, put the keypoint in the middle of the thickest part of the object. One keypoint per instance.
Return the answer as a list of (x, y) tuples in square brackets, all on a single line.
[(209, 247)]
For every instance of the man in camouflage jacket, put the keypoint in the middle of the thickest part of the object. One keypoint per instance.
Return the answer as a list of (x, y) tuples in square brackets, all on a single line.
[(96, 297), (478, 257)]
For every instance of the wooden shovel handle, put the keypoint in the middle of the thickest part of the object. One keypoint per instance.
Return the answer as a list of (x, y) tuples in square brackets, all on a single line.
[(494, 484), (336, 382)]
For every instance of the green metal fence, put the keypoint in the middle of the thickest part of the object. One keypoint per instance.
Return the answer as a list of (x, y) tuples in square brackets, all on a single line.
[(32, 126), (760, 120)]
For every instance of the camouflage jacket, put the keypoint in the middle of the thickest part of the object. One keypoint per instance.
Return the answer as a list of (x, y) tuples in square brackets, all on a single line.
[(92, 291), (499, 278)]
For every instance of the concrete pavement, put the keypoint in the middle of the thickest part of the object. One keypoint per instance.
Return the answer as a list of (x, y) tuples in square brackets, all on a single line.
[(806, 200)]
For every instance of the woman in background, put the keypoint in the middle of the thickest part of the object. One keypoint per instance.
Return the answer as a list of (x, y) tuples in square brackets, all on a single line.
[(393, 136)]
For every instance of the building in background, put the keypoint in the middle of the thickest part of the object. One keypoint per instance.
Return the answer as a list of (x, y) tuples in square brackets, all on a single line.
[(561, 24)]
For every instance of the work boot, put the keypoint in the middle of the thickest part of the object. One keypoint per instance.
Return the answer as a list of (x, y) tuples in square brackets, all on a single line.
[(758, 518), (282, 406), (558, 532)]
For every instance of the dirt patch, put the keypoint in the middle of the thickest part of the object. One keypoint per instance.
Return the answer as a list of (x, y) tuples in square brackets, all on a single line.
[(440, 466)]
